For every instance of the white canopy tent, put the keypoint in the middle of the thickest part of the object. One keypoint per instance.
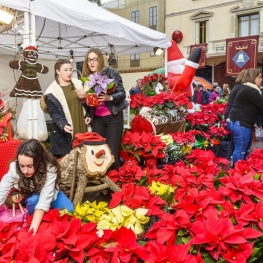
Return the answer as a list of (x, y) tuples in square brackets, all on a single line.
[(59, 27), (76, 25)]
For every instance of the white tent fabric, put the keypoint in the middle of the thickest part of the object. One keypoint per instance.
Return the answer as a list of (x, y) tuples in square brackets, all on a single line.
[(76, 25)]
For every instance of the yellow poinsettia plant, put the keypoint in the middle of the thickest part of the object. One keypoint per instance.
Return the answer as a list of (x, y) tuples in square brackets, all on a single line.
[(165, 191), (112, 218), (124, 216)]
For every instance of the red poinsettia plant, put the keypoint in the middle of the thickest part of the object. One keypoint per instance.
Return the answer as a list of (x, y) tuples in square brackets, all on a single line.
[(162, 101), (217, 133), (147, 145), (152, 84)]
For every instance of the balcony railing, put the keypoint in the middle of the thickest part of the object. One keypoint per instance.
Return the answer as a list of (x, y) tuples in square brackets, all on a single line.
[(218, 47)]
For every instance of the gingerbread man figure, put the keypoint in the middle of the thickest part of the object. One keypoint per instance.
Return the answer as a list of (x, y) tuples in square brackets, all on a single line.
[(28, 85)]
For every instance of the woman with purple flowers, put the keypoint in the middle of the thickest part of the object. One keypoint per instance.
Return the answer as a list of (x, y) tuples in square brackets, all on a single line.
[(107, 118)]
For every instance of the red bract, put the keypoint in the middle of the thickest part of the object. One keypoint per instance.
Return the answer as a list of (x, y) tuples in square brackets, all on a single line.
[(183, 137), (125, 247), (130, 172), (239, 254), (255, 215), (199, 204), (237, 187), (217, 235), (165, 230), (137, 197)]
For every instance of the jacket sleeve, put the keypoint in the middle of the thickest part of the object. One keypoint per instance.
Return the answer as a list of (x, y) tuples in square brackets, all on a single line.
[(8, 181), (119, 93), (47, 193), (206, 97), (56, 114)]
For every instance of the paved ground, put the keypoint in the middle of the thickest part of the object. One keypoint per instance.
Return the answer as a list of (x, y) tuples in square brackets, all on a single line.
[(258, 143)]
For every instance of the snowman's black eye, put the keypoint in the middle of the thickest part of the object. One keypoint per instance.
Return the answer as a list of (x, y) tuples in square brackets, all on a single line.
[(91, 151)]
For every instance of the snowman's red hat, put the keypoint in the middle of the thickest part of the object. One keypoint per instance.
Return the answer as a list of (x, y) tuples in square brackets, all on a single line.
[(89, 138)]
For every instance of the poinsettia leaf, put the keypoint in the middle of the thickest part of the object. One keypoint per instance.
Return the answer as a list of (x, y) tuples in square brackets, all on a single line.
[(164, 234), (235, 239), (78, 256), (250, 233)]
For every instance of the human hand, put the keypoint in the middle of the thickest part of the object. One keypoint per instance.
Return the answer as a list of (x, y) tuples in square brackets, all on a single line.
[(103, 97), (81, 93), (87, 120), (68, 129)]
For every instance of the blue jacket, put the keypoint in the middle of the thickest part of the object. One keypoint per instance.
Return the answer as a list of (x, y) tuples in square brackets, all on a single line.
[(135, 91)]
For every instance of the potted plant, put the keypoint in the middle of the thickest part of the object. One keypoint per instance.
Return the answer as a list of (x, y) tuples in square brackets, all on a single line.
[(217, 134), (96, 84)]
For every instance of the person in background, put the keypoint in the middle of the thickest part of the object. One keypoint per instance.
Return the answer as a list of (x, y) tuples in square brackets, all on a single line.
[(208, 90), (220, 90), (61, 101), (200, 95), (230, 104), (107, 118), (226, 92), (214, 94), (137, 89), (247, 106), (36, 174)]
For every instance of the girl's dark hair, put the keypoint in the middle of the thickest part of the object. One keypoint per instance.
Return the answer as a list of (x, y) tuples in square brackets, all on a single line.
[(57, 66), (85, 68), (42, 162), (250, 75)]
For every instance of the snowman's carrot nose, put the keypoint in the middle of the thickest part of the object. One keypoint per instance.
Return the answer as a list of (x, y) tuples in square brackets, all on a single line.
[(100, 153)]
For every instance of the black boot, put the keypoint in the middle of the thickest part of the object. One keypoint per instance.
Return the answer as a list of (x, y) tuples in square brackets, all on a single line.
[(195, 55)]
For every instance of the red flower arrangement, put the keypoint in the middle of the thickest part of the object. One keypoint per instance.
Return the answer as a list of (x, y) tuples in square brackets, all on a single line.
[(162, 101), (150, 82), (218, 133), (145, 144)]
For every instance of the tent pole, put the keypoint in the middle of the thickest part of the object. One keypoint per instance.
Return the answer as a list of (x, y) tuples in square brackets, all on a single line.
[(34, 101), (26, 44), (165, 62)]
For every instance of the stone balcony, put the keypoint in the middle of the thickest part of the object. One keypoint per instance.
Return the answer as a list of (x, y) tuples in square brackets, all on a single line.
[(217, 48)]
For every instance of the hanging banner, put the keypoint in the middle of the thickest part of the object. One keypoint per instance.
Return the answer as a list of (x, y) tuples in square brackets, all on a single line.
[(203, 53), (241, 53)]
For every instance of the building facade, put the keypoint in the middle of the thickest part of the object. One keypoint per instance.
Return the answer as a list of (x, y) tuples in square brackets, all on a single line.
[(149, 13), (211, 23)]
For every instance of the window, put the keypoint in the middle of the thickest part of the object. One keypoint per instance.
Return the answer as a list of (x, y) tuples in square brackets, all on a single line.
[(153, 17), (135, 16), (152, 54), (135, 60), (202, 32), (248, 25)]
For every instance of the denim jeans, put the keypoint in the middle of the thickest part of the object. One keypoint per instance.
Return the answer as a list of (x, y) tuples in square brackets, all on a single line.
[(61, 202), (243, 140)]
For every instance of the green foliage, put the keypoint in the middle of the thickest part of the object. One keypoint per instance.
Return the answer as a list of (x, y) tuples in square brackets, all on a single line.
[(98, 2)]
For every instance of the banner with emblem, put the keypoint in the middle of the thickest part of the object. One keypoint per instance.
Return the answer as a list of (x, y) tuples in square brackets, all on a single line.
[(203, 53), (241, 53)]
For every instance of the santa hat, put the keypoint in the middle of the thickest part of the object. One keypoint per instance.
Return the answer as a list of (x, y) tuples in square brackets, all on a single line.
[(175, 59), (31, 48), (89, 138), (175, 54)]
